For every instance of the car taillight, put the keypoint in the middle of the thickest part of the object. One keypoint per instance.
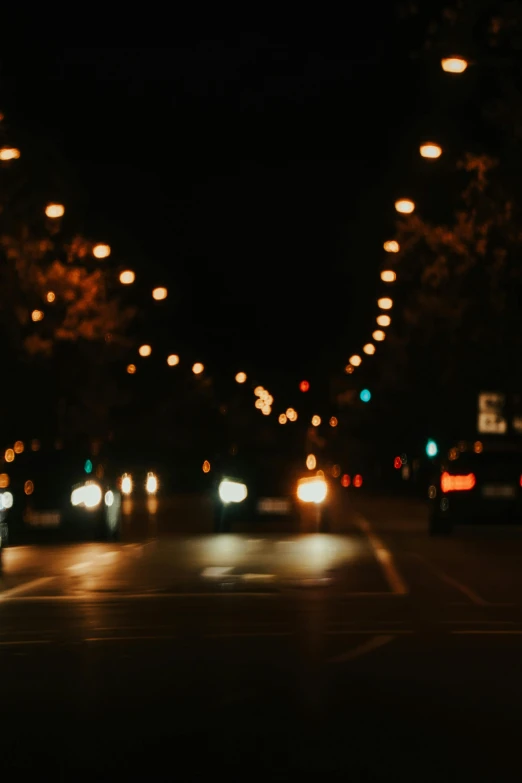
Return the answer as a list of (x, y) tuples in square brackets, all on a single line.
[(521, 480), (357, 481), (451, 483)]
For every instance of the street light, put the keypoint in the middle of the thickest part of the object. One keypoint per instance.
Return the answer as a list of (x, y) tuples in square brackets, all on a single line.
[(333, 421), (385, 303), (37, 315), (388, 276), (430, 150), (101, 251), (355, 361), (9, 153), (159, 293), (316, 421), (145, 350), (241, 377), (378, 335), (383, 320), (127, 277), (391, 246), (55, 210), (131, 369), (369, 348), (454, 64), (405, 206), (197, 368), (50, 296), (282, 418), (172, 360)]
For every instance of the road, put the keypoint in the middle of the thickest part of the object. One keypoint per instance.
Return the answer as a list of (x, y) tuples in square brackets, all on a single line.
[(369, 653)]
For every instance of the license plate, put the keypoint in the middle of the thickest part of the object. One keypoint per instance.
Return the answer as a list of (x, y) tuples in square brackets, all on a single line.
[(498, 491), (43, 518), (274, 506)]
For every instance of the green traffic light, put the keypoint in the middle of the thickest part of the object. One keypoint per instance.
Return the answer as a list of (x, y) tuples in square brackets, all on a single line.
[(431, 448), (88, 466)]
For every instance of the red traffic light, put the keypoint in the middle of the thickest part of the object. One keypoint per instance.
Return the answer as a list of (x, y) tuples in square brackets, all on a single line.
[(345, 481), (304, 386), (397, 463)]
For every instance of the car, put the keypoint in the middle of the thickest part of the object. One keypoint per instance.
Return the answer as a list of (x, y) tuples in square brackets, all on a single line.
[(259, 488), (481, 483), (55, 493)]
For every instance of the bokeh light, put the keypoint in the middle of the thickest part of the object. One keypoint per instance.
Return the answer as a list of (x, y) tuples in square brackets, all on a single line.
[(291, 414), (19, 447), (101, 251), (454, 64), (37, 315), (241, 377), (206, 466), (391, 246), (378, 335), (50, 296), (159, 293), (197, 368), (355, 361), (405, 206), (369, 349), (28, 487), (127, 277), (9, 455), (173, 360), (55, 210), (282, 418), (383, 320), (430, 150), (145, 350), (304, 386), (333, 421), (131, 369), (311, 462), (4, 480), (385, 303), (9, 153), (316, 421), (388, 276)]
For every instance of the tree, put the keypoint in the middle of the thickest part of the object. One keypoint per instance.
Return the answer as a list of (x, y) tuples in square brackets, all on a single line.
[(457, 314), (61, 320)]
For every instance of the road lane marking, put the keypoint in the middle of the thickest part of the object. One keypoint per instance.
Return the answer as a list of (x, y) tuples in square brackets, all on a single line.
[(136, 596), (212, 572), (384, 556), (489, 632), (362, 649), (23, 588), (80, 566), (449, 580), (20, 642)]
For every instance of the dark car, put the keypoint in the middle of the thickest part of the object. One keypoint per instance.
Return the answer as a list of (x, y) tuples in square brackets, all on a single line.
[(57, 493), (482, 484), (259, 487)]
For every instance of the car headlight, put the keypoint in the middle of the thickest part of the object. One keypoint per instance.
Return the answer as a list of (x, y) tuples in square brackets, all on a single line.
[(6, 500), (312, 490), (126, 484), (88, 495), (232, 491), (151, 484)]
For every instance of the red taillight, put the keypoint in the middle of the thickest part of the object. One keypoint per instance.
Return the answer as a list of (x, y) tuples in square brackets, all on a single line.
[(357, 481), (521, 480), (397, 463), (345, 481), (451, 483)]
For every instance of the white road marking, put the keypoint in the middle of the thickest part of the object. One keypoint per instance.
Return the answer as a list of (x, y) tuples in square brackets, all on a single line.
[(109, 556), (23, 588), (80, 566), (20, 642), (384, 556), (489, 632), (449, 580), (136, 596), (363, 649), (214, 571)]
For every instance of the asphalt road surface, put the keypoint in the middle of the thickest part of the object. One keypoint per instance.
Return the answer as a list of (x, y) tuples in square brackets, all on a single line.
[(371, 653)]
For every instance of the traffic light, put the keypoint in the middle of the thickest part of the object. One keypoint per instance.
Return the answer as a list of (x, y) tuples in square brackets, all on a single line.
[(304, 386), (365, 395), (88, 466), (431, 448)]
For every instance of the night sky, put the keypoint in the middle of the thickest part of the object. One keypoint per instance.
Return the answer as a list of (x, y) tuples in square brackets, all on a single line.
[(253, 173)]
